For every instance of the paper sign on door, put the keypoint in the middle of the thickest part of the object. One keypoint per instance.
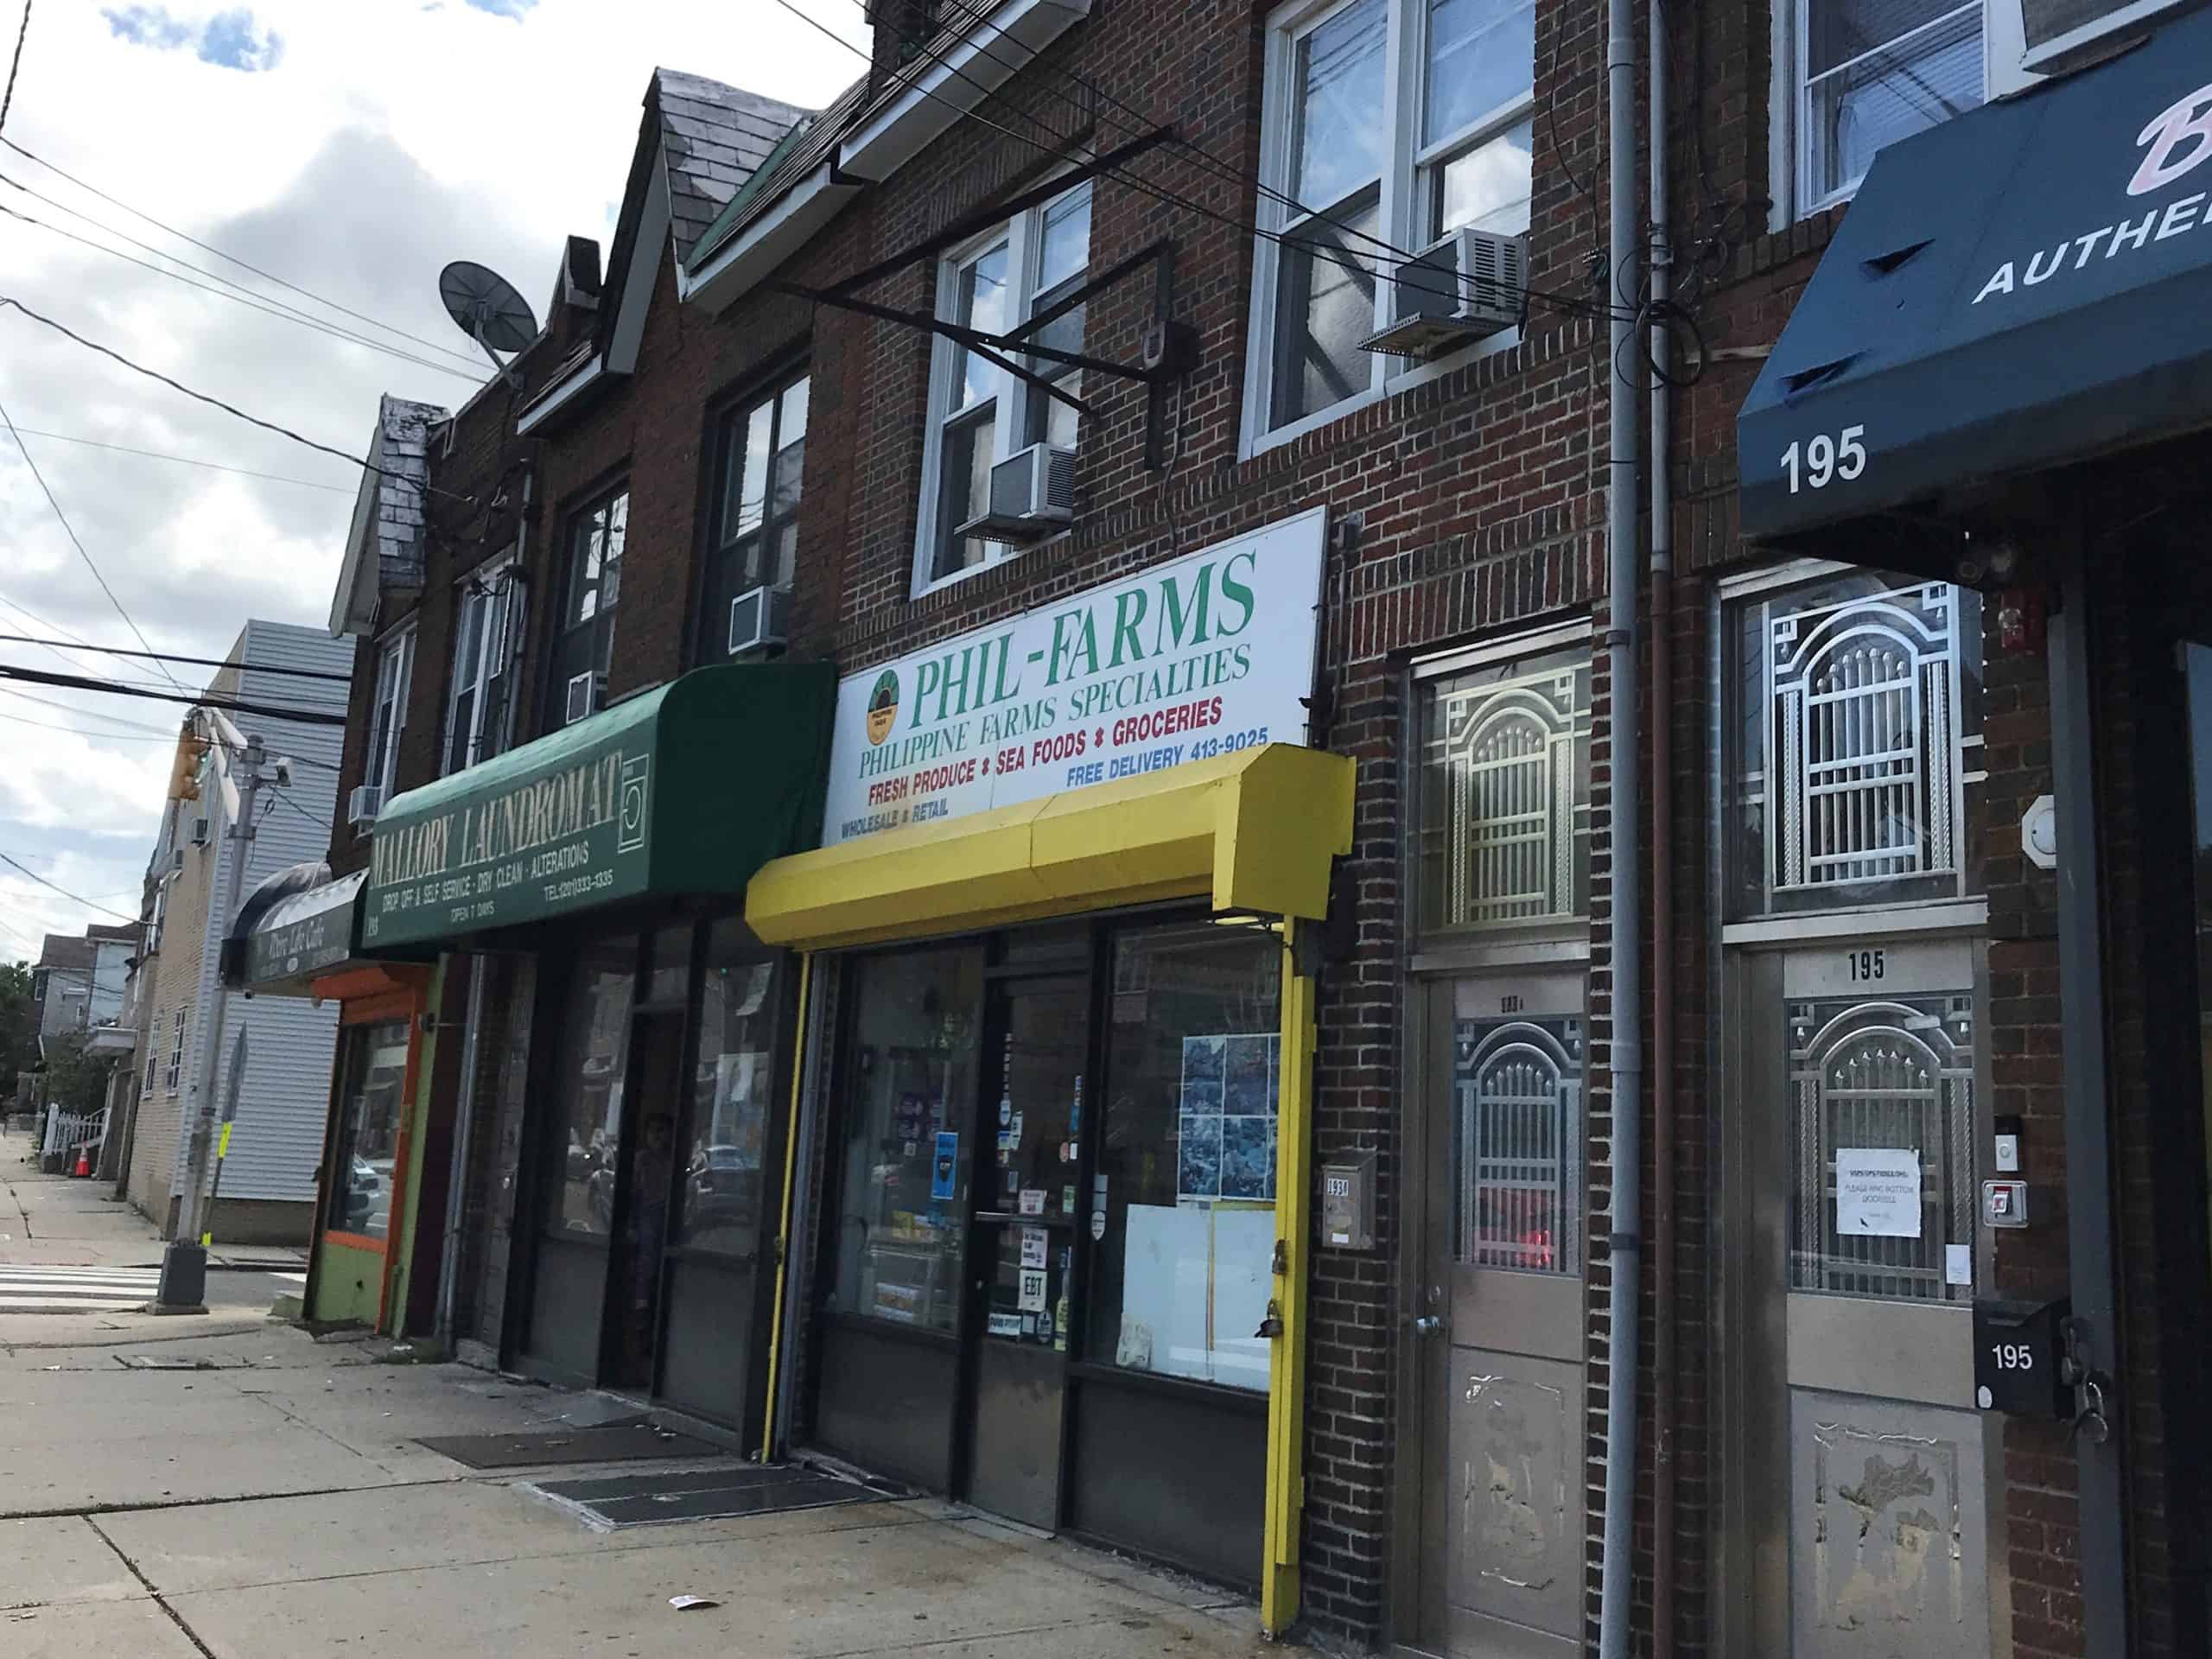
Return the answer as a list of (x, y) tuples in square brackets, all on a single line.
[(1033, 1247), (1032, 1290), (1877, 1192)]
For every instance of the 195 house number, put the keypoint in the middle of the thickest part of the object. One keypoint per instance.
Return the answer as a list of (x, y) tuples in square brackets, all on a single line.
[(2012, 1356), (1825, 459)]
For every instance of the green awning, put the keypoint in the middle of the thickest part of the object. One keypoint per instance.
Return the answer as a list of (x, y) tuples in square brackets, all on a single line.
[(687, 789)]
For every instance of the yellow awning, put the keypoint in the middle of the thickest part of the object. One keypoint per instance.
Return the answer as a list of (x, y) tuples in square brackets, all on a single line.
[(1250, 831)]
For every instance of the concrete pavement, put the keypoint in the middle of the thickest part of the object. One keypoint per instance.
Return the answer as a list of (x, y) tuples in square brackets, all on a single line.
[(262, 1495)]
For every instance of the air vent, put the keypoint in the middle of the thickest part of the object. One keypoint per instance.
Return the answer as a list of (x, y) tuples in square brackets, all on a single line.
[(363, 805), (757, 618), (586, 693), (1467, 285), (1032, 495)]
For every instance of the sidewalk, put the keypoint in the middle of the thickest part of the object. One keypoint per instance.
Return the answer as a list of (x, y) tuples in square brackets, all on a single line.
[(270, 1501)]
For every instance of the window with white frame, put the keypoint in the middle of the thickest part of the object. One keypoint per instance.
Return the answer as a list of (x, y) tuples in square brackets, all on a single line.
[(482, 660), (1024, 270), (583, 641), (1389, 123), (1866, 73), (388, 711), (176, 1053), (153, 1059)]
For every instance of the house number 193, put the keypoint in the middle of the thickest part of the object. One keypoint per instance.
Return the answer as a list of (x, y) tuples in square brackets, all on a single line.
[(1825, 459)]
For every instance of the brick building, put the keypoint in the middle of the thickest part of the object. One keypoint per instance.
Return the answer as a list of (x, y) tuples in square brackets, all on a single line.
[(1348, 1029)]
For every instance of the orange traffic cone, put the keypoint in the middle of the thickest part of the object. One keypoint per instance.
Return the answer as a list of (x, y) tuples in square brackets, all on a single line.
[(84, 1164)]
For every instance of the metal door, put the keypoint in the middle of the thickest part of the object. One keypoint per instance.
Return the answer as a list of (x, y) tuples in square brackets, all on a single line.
[(1865, 1457), (1499, 1329), (1026, 1202)]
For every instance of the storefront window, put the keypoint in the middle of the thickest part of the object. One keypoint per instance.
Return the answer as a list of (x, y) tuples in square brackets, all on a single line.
[(1182, 1199), (370, 1114), (596, 1045), (909, 1092), (719, 1205)]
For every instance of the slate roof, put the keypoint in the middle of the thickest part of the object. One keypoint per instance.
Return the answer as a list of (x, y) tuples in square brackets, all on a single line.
[(715, 137), (113, 932), (804, 148), (65, 950)]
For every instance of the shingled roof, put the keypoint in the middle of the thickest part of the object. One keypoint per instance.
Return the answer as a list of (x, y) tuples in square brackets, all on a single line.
[(714, 138)]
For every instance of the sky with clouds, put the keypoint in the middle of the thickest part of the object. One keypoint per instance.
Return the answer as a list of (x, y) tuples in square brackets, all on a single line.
[(351, 149)]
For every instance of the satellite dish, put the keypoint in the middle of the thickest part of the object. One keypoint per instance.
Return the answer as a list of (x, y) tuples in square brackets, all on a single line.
[(487, 308)]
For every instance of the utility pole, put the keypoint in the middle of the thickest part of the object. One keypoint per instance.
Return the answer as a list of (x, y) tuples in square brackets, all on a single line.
[(183, 1287)]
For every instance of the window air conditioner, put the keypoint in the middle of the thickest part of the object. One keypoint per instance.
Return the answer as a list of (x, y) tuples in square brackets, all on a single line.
[(363, 805), (586, 692), (758, 619), (1033, 494), (1467, 285), (200, 832)]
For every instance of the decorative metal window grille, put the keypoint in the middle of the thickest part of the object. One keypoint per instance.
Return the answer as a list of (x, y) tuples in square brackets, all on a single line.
[(1517, 1087), (1895, 1074), (1863, 730), (1515, 762)]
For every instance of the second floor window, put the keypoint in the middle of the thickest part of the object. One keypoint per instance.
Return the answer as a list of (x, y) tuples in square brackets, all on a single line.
[(979, 414), (1386, 122), (482, 654), (1871, 72), (388, 711), (583, 642), (175, 1072), (762, 455)]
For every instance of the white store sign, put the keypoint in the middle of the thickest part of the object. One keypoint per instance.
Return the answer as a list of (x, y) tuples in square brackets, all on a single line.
[(1205, 656)]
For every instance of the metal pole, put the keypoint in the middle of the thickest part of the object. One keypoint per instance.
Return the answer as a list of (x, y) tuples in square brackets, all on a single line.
[(1624, 1252), (2098, 1443), (223, 1140), (183, 1287)]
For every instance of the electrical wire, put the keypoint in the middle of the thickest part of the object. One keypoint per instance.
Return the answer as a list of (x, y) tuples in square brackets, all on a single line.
[(89, 737), (230, 259), (16, 63), (185, 461), (198, 699), (202, 662), (26, 870), (8, 301), (70, 529), (1223, 169), (168, 735), (287, 314), (59, 653)]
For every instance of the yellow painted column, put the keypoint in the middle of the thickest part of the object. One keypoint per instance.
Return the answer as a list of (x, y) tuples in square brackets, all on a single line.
[(1286, 1487), (784, 1223)]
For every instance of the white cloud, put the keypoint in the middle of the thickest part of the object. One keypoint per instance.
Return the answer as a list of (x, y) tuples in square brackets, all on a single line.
[(375, 141)]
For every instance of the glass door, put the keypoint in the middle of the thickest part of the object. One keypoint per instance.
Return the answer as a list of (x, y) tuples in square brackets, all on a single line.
[(1499, 1333), (1022, 1248), (580, 1153)]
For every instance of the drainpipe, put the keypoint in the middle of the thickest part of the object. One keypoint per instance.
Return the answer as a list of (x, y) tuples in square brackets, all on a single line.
[(1662, 739), (464, 1111), (1625, 1247)]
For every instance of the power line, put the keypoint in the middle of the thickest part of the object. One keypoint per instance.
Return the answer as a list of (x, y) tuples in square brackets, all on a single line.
[(9, 300), (15, 64), (1337, 254), (71, 530), (197, 699), (229, 258), (89, 737), (245, 296), (185, 461), (203, 662), (64, 891), (59, 653)]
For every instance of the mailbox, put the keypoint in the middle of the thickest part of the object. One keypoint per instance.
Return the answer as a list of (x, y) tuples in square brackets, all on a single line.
[(2019, 1349), (1348, 1204)]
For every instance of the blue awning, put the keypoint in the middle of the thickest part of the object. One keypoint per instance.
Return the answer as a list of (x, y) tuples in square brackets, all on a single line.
[(2027, 285)]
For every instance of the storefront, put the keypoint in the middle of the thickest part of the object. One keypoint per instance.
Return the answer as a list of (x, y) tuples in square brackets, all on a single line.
[(608, 861), (1054, 1212), (2000, 374), (298, 934)]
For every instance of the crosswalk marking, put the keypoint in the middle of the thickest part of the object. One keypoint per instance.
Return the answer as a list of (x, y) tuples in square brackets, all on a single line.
[(33, 1290)]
